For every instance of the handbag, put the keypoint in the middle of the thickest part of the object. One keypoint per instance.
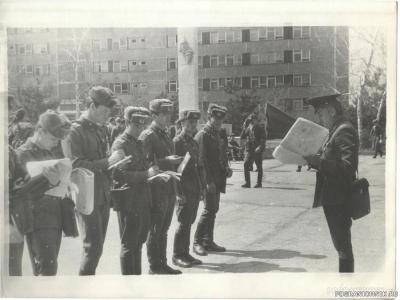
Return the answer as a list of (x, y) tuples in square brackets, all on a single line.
[(359, 198)]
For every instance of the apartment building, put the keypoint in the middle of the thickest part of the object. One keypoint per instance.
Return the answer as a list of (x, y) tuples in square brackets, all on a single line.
[(286, 65)]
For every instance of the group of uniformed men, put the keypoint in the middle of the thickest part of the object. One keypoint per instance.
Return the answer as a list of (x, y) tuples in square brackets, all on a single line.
[(144, 201), (144, 207)]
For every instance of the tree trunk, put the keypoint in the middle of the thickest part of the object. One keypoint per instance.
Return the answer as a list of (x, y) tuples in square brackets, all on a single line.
[(77, 106), (378, 116), (359, 117)]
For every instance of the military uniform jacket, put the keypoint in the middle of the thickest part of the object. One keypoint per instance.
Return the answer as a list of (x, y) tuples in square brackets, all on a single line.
[(46, 210), (134, 174), (192, 176), (158, 145), (15, 168), (86, 146), (338, 166), (255, 136), (212, 157)]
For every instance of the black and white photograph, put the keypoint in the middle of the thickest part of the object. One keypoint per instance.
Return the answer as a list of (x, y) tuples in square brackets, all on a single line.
[(247, 147)]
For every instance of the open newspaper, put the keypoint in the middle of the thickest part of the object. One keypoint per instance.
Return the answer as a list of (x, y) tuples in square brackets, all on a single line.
[(77, 183), (304, 138)]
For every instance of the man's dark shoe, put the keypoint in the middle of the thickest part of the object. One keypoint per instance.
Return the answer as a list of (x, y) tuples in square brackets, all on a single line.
[(246, 185), (199, 250), (157, 270), (373, 156), (213, 247), (170, 270), (192, 260), (258, 185), (181, 261)]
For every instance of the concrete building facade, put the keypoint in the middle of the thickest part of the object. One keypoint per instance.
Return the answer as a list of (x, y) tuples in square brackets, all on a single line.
[(286, 65)]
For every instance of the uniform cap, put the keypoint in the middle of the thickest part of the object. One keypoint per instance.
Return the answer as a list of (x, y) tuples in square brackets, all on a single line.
[(218, 112), (320, 102), (137, 115), (103, 96), (189, 114), (164, 106), (111, 119), (57, 124), (118, 120)]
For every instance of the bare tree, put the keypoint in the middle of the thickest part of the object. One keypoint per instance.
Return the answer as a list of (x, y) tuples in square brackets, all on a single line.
[(73, 51)]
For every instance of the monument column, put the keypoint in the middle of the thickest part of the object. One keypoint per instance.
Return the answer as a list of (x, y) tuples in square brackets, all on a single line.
[(188, 68)]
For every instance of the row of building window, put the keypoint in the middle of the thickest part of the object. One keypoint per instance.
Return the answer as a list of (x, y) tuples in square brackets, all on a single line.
[(207, 61), (271, 57), (249, 82), (205, 38), (33, 70), (29, 49), (124, 43), (254, 35), (29, 30)]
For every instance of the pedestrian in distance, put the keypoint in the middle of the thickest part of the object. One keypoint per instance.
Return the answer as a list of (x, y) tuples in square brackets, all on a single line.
[(337, 165), (256, 137), (376, 138), (87, 147)]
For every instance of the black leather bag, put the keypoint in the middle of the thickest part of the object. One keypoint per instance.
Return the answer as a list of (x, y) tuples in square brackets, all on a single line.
[(360, 202), (68, 219)]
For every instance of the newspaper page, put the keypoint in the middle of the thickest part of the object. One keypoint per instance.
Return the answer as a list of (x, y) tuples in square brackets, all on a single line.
[(305, 137), (64, 168)]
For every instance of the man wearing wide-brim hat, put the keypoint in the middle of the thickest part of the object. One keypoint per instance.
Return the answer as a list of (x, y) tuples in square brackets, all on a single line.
[(87, 146), (131, 191), (214, 161), (44, 239), (160, 151), (337, 166), (192, 181)]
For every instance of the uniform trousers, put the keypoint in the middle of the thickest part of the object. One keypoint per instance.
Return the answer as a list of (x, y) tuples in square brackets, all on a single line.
[(16, 250), (93, 230), (248, 164), (339, 223), (205, 228), (160, 222), (44, 246), (133, 229), (186, 213)]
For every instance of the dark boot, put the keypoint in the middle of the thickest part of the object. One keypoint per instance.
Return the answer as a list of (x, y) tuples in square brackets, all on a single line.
[(191, 259), (246, 185), (178, 259), (346, 265), (209, 244), (157, 270), (258, 185), (199, 237), (181, 261), (168, 269), (137, 262), (126, 265), (259, 177), (86, 273)]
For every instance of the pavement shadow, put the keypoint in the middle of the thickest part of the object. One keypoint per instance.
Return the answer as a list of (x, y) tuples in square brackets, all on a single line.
[(247, 267), (282, 188), (269, 254)]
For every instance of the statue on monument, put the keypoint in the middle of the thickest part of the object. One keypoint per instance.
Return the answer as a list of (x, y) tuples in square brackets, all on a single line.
[(186, 50)]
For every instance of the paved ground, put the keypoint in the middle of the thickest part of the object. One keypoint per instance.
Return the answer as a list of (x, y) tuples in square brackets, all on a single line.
[(272, 229)]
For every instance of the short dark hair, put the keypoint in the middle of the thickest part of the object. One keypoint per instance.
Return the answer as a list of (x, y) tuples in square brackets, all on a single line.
[(337, 106)]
